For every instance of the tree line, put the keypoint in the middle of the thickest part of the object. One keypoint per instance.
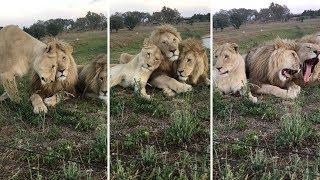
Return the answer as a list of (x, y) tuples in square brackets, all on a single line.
[(52, 27), (275, 12), (166, 16)]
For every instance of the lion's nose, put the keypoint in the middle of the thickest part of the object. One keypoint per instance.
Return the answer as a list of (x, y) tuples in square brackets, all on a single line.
[(180, 71), (173, 50), (104, 92), (62, 70)]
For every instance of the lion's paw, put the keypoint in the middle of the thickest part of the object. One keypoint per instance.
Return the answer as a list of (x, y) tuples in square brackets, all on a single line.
[(185, 88), (50, 101), (294, 91), (169, 92), (254, 99), (40, 109), (146, 96)]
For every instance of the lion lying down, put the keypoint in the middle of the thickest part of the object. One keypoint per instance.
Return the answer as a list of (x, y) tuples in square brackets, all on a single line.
[(272, 67), (93, 78), (229, 71), (45, 95), (137, 72), (20, 52)]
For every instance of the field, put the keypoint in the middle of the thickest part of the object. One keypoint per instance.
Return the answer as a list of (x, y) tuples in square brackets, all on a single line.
[(275, 139), (165, 138), (67, 143)]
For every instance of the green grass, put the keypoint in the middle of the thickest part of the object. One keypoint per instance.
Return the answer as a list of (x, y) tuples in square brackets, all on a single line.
[(66, 132)]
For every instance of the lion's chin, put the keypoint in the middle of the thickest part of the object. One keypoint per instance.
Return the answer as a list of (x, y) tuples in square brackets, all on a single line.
[(183, 78), (174, 58), (104, 98), (62, 78)]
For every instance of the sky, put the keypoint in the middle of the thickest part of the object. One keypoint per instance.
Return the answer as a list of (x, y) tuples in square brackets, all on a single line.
[(295, 6), (186, 7), (27, 12)]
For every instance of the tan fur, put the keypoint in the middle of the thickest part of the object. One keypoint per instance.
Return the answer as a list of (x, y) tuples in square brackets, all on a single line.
[(229, 71), (20, 52), (167, 38), (308, 48), (193, 66), (93, 78), (264, 66), (137, 72), (66, 78), (125, 58)]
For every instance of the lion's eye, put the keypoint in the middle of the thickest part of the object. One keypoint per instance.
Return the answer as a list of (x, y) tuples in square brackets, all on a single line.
[(188, 60), (226, 56), (53, 66), (216, 56), (293, 54), (148, 54), (64, 58), (164, 42), (174, 40), (101, 78)]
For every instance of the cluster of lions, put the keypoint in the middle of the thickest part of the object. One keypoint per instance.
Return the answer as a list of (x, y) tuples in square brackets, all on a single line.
[(280, 67), (55, 74), (165, 61)]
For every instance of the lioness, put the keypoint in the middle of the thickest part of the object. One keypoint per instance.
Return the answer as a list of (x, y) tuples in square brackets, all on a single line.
[(229, 74), (93, 78), (167, 39), (64, 85), (272, 67), (192, 66), (20, 52), (137, 72)]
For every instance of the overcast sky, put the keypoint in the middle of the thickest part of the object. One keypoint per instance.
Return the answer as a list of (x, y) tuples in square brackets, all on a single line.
[(295, 6), (186, 7), (26, 12)]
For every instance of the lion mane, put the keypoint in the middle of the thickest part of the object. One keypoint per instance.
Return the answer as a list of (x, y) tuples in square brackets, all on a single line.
[(88, 75), (263, 62), (68, 84), (199, 72)]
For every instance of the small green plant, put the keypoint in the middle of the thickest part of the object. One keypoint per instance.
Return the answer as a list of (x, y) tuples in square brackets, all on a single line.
[(183, 127), (258, 161), (72, 171), (148, 155), (294, 130), (100, 145)]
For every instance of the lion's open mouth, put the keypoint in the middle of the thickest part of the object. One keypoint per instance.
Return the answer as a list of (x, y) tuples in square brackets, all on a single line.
[(288, 72), (308, 67), (222, 73)]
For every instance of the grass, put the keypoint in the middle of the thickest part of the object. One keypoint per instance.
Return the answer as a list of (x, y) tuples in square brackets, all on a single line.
[(70, 138), (283, 126), (164, 138)]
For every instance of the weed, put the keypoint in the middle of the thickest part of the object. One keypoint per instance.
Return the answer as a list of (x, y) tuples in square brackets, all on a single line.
[(148, 155)]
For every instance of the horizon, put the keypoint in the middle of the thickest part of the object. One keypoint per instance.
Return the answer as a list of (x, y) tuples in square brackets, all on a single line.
[(295, 6)]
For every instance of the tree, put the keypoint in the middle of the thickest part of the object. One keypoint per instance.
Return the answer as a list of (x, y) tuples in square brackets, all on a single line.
[(169, 15), (131, 19), (264, 14), (221, 20), (94, 20), (116, 22), (278, 12), (236, 19), (37, 30)]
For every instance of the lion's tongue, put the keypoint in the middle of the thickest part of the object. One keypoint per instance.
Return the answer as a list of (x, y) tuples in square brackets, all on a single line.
[(307, 74)]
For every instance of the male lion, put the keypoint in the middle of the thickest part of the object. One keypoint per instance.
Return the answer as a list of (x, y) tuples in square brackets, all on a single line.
[(308, 50), (137, 72), (20, 52), (66, 78), (167, 39), (93, 78), (272, 67), (229, 73), (193, 66)]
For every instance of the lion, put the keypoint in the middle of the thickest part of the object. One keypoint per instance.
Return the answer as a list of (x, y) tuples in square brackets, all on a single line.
[(272, 67), (229, 74), (46, 95), (20, 52), (167, 39), (137, 72), (192, 66), (93, 78), (308, 49)]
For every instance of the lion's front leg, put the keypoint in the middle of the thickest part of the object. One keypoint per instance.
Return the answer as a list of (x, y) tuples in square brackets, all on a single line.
[(143, 92), (10, 87), (52, 101), (291, 93), (115, 80), (38, 104), (170, 85)]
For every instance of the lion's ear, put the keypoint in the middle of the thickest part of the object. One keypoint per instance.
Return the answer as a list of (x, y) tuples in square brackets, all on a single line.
[(146, 42), (235, 47), (68, 48), (50, 48)]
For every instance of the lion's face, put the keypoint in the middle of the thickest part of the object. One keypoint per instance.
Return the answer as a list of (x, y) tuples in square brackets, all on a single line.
[(286, 64), (309, 57), (227, 58), (187, 63), (151, 56), (169, 45), (102, 84), (64, 63), (46, 65)]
